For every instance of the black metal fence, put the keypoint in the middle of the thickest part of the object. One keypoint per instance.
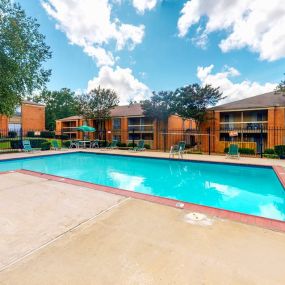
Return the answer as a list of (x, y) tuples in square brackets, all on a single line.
[(12, 140), (252, 141)]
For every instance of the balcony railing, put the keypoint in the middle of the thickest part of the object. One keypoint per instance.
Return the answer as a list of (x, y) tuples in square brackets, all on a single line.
[(140, 128), (245, 126), (69, 129)]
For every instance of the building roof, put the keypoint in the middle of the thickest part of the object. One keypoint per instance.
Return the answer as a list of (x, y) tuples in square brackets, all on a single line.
[(32, 103), (127, 110), (118, 111), (71, 118), (266, 100)]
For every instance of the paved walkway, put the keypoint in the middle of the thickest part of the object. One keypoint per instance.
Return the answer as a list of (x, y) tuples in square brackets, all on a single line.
[(34, 211), (135, 242)]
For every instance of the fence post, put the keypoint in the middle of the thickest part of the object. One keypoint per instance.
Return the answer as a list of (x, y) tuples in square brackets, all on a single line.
[(164, 140), (21, 137), (209, 141), (261, 141)]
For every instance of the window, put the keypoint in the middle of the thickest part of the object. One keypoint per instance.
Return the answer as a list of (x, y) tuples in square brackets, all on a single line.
[(134, 121), (117, 124), (18, 111), (15, 127)]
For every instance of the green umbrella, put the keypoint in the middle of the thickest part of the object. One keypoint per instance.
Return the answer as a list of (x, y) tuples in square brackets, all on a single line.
[(86, 129)]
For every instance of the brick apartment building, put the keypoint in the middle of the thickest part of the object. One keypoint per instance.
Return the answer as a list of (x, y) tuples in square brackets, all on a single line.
[(257, 122), (127, 123), (28, 116)]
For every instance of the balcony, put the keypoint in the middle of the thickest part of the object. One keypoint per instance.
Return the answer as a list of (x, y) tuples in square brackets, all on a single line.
[(245, 127), (69, 129), (140, 128)]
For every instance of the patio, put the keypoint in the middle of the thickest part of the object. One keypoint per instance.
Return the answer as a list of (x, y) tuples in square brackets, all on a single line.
[(56, 233)]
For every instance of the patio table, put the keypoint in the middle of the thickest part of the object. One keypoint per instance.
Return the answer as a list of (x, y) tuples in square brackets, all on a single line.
[(83, 143)]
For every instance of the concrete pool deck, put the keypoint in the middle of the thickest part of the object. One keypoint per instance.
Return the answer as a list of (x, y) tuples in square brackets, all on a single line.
[(54, 233), (158, 154)]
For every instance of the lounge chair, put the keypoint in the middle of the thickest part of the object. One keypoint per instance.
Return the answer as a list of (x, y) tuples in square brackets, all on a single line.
[(74, 144), (139, 147), (27, 146), (178, 149), (55, 145), (233, 151), (94, 144)]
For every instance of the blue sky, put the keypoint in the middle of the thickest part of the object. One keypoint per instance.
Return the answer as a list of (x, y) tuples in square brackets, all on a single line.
[(136, 46)]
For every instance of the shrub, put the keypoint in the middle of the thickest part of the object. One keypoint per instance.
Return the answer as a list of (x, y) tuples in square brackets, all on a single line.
[(103, 143), (31, 134), (245, 150), (48, 134), (12, 134), (62, 137), (16, 144), (66, 144), (280, 150), (45, 145), (37, 143), (120, 144), (132, 144), (269, 151), (147, 146), (271, 156)]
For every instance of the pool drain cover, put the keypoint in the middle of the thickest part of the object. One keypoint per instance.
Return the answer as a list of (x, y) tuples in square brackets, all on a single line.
[(198, 219)]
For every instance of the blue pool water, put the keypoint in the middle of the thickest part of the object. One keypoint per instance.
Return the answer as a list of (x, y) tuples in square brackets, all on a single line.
[(250, 190)]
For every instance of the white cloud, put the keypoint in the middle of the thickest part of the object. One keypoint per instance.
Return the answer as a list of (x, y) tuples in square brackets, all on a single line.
[(256, 24), (122, 81), (88, 24), (142, 5), (232, 91)]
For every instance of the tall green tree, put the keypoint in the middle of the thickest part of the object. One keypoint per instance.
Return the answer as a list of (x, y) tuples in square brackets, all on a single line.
[(281, 87), (159, 107), (59, 104), (22, 54), (192, 101), (97, 104)]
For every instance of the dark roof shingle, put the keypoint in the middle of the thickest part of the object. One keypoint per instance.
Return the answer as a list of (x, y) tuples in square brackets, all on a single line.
[(118, 111), (270, 99)]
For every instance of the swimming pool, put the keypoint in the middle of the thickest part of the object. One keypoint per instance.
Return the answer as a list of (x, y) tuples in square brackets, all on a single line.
[(245, 189)]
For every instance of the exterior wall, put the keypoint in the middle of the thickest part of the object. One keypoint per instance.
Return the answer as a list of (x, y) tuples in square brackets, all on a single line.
[(276, 120), (33, 117), (174, 123), (3, 122), (272, 131)]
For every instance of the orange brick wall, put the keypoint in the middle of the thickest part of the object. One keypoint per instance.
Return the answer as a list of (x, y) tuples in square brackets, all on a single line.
[(33, 117), (3, 122), (276, 119)]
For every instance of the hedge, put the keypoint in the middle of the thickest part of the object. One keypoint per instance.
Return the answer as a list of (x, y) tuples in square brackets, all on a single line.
[(132, 144), (147, 146), (35, 143), (280, 150), (119, 144), (269, 151), (243, 150), (48, 134), (12, 134), (31, 134), (46, 145)]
